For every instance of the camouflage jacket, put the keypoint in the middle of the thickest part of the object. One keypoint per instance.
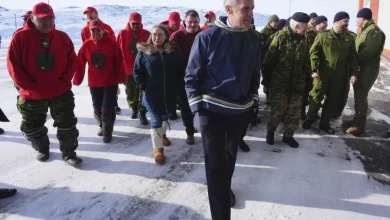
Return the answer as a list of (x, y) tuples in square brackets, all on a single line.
[(311, 35), (265, 34), (286, 65)]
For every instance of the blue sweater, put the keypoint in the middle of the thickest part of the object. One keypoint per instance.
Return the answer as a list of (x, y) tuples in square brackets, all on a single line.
[(223, 72)]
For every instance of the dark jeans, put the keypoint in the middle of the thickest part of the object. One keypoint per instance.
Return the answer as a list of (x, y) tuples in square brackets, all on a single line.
[(186, 113), (104, 96), (220, 136)]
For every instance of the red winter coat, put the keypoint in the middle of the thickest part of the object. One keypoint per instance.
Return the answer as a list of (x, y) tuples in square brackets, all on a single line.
[(127, 43), (205, 27), (42, 70), (86, 34), (170, 30), (105, 64), (184, 41)]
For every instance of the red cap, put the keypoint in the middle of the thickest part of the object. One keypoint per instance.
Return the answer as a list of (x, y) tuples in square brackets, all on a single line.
[(90, 9), (174, 18), (42, 10), (27, 15), (96, 24), (135, 17), (210, 14)]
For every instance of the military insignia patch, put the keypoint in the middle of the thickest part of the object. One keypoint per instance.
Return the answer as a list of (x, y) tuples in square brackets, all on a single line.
[(136, 17), (176, 17), (45, 8), (374, 34)]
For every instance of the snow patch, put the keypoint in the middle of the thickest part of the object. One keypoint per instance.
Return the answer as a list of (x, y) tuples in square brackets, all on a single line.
[(378, 116)]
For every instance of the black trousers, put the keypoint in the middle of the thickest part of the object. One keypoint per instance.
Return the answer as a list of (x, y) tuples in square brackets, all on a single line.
[(220, 136), (186, 113), (104, 96)]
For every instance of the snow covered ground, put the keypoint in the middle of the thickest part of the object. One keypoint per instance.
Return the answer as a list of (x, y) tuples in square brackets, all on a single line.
[(323, 179)]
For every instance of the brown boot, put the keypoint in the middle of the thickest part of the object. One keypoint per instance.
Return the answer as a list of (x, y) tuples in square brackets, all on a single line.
[(159, 157), (165, 141), (190, 140), (354, 131)]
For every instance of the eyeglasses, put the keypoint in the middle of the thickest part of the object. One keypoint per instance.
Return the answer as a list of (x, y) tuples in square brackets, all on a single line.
[(46, 19)]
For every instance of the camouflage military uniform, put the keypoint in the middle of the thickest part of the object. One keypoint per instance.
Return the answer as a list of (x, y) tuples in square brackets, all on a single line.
[(369, 45), (334, 59), (286, 68), (310, 35), (265, 34)]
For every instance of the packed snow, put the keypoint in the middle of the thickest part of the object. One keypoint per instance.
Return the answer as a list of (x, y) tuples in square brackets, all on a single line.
[(322, 179)]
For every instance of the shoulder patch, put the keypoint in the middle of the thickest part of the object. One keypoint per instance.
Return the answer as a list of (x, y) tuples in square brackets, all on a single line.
[(375, 33)]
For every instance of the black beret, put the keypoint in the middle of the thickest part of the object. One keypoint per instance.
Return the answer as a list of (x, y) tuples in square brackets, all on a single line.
[(340, 16), (320, 19), (301, 17)]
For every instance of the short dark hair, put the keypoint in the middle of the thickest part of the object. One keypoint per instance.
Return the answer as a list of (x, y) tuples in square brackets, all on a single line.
[(192, 13)]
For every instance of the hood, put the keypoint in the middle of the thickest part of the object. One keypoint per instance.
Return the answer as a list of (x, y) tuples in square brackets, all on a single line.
[(221, 22), (151, 49)]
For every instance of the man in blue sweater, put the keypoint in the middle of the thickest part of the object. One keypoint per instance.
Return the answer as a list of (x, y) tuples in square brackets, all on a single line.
[(222, 82)]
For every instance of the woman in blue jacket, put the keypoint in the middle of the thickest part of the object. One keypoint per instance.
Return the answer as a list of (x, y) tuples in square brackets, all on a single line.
[(159, 70)]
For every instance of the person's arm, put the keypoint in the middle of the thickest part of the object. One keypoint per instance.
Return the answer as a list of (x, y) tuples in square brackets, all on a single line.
[(80, 71), (271, 60), (140, 75), (194, 72), (72, 61), (119, 64), (315, 55), (372, 47), (15, 67), (256, 76)]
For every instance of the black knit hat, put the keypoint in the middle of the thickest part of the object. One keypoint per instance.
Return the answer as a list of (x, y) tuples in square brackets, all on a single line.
[(340, 16), (280, 24), (313, 15), (288, 21), (320, 19), (365, 13), (301, 17)]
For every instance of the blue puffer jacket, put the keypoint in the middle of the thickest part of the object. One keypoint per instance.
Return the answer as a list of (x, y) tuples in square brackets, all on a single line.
[(223, 72), (160, 75)]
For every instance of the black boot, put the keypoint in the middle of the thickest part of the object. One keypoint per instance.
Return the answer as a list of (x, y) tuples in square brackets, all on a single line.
[(173, 116), (243, 146), (134, 114), (1, 131), (108, 119), (40, 142), (326, 128), (97, 113), (5, 193), (308, 123), (100, 131), (291, 142), (270, 139), (303, 113), (68, 145), (232, 198), (143, 119)]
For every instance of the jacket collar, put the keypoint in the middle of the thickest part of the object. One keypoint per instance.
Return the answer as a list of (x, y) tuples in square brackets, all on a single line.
[(150, 49), (221, 22)]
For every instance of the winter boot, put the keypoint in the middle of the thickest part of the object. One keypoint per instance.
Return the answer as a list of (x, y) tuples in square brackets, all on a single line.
[(308, 123), (291, 142), (108, 119), (327, 129), (1, 131), (158, 149), (143, 119), (243, 146), (173, 116), (5, 193), (190, 140), (68, 145), (40, 142), (134, 114), (303, 113), (354, 131), (162, 132), (232, 198), (97, 113), (270, 139), (118, 110)]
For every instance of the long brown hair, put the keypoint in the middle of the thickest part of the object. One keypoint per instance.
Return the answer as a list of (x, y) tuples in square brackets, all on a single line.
[(164, 29)]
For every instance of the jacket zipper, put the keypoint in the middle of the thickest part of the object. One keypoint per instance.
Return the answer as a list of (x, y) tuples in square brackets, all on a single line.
[(165, 96)]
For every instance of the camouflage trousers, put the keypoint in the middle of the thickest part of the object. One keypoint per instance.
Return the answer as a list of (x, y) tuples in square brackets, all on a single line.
[(134, 95), (366, 79), (285, 108), (34, 114)]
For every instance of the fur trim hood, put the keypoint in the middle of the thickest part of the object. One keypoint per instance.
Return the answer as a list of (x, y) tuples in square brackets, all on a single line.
[(150, 49)]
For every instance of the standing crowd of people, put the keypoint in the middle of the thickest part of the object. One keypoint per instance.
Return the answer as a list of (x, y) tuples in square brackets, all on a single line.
[(214, 70)]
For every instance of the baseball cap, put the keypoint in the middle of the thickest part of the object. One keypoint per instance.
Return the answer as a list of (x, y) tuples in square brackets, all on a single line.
[(210, 14), (28, 13), (135, 17), (96, 24), (174, 18), (90, 9), (42, 10)]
